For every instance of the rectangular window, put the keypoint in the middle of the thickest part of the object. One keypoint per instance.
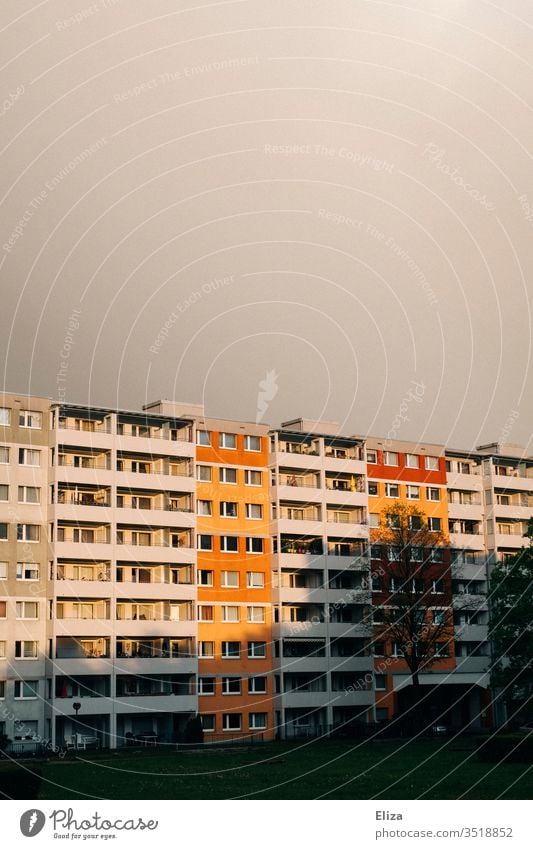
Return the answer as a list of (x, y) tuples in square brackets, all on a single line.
[(257, 721), (252, 443), (255, 580), (417, 553), (3, 530), (227, 475), (231, 686), (256, 648), (28, 533), (373, 488), (254, 511), (257, 684), (397, 650), (230, 613), (231, 721), (4, 454), (395, 553), (229, 579), (204, 473), (415, 523), (379, 649), (432, 493), (413, 492), (434, 523), (252, 477), (26, 649), (4, 491), (227, 440), (206, 686), (29, 495), (373, 520), (28, 418), (432, 464), (3, 609), (254, 545), (27, 610), (29, 457), (206, 648), (231, 649), (442, 650), (411, 461), (203, 437), (392, 490), (438, 586), (208, 722), (439, 617), (5, 416), (205, 577), (390, 458), (204, 542), (26, 689), (3, 571), (2, 648), (228, 509), (27, 571), (381, 682), (436, 555), (204, 508), (229, 544), (371, 456), (205, 613), (256, 614)]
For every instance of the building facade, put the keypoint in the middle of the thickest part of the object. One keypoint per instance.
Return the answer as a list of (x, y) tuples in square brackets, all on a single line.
[(157, 565)]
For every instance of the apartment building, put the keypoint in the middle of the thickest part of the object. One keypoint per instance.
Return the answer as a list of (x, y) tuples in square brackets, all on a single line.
[(235, 680), (122, 624), (156, 565), (24, 556), (320, 567), (414, 473)]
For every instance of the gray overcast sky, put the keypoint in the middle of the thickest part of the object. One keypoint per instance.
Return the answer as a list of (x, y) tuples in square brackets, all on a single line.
[(338, 194)]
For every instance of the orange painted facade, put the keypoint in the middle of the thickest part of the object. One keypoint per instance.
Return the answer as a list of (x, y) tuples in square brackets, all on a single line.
[(234, 581)]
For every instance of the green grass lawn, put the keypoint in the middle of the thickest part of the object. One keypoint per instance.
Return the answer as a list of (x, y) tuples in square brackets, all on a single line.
[(428, 769)]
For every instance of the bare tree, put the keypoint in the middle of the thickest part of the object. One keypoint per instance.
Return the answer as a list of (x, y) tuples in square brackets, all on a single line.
[(415, 609)]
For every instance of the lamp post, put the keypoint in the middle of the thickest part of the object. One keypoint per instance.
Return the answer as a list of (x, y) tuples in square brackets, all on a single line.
[(76, 706)]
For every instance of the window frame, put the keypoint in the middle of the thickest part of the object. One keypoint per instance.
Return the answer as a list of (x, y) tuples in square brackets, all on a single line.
[(223, 544), (249, 545), (252, 644), (25, 416), (248, 437), (223, 437)]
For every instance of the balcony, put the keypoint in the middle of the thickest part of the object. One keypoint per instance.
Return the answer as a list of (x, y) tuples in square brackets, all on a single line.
[(82, 687), (155, 655), (83, 616), (471, 663), (83, 571), (475, 633), (298, 478), (310, 546), (146, 545), (142, 615), (71, 650), (100, 461), (83, 496)]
